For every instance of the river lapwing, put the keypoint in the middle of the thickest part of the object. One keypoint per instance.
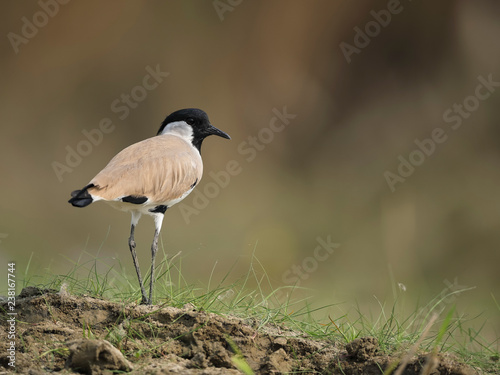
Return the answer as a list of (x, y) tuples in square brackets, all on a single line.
[(150, 176)]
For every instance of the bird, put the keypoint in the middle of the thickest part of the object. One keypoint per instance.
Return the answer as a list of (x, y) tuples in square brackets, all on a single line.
[(150, 176)]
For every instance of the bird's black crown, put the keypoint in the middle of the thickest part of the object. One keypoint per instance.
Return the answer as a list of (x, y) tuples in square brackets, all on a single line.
[(199, 122), (192, 116)]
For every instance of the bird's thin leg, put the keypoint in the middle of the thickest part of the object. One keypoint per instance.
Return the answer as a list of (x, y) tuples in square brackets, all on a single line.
[(131, 244), (154, 249)]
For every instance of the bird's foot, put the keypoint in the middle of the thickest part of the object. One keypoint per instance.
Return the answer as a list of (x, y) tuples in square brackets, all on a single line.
[(146, 301)]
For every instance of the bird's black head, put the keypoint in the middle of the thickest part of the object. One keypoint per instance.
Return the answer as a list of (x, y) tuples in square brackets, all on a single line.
[(192, 124)]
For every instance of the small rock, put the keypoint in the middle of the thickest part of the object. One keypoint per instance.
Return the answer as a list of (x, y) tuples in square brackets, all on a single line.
[(277, 362), (219, 355), (189, 307), (199, 360), (363, 348), (280, 341), (93, 356)]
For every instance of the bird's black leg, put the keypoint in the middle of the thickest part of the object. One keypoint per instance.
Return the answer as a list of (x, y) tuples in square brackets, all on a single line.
[(158, 212), (154, 249), (131, 244)]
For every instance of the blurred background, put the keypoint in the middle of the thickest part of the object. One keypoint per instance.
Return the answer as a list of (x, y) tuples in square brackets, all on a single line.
[(364, 81)]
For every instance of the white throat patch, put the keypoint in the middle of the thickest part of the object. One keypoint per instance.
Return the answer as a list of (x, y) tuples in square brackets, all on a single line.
[(179, 128)]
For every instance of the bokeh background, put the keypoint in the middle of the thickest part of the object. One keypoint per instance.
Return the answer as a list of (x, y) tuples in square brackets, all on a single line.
[(323, 175)]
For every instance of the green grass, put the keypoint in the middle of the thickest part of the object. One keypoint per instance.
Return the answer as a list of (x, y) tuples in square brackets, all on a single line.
[(254, 298)]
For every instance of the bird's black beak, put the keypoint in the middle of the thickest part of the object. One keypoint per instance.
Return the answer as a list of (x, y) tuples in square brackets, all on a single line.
[(212, 130)]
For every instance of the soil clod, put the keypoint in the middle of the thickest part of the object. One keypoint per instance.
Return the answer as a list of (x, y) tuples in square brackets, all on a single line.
[(363, 348), (95, 356)]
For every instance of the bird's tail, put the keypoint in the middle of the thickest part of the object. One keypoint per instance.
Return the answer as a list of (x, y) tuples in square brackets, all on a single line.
[(81, 198)]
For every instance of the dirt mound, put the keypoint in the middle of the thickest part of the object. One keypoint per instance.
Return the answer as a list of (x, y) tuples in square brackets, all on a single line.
[(67, 334)]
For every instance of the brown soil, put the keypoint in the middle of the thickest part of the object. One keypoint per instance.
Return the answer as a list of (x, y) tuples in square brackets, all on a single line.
[(68, 334)]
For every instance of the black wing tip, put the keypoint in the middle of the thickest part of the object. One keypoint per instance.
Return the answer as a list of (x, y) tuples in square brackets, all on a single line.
[(74, 193), (134, 199), (81, 198), (80, 202)]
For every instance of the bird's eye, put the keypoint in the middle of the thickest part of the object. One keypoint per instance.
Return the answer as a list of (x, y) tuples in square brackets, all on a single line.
[(190, 120)]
